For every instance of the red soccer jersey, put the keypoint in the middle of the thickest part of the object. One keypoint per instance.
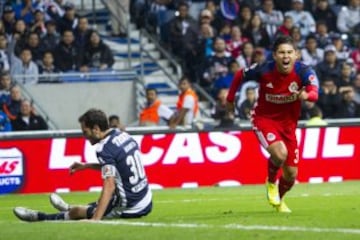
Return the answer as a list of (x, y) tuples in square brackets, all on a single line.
[(277, 98)]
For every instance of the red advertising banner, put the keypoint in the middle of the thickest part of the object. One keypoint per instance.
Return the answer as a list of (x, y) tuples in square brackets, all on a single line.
[(178, 160)]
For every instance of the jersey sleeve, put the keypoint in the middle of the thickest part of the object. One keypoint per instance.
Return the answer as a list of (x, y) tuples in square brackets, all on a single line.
[(241, 76), (310, 81)]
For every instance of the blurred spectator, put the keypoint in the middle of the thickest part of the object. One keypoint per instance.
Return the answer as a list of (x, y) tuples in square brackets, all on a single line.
[(225, 32), (67, 54), (119, 11), (316, 118), (348, 20), (24, 70), (216, 65), (323, 37), (246, 58), (348, 108), (247, 105), (8, 18), (207, 17), (2, 28), (82, 32), (312, 55), (19, 37), (355, 55), (5, 86), (69, 20), (271, 18), (33, 43), (296, 36), (12, 109), (257, 33), (282, 5), (205, 42), (97, 55), (325, 13), (47, 68), (155, 112), (236, 41), (302, 19), (24, 10), (5, 124), (342, 51), (4, 54), (27, 120), (114, 122), (52, 38), (347, 74), (225, 81), (286, 27), (219, 111), (329, 97), (330, 66), (183, 37), (38, 25), (356, 85), (244, 19), (216, 19), (187, 104)]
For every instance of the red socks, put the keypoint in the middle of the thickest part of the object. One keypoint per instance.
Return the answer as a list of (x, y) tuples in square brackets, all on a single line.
[(284, 186)]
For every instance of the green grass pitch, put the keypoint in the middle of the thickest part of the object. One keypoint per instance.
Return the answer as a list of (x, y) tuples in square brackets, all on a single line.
[(320, 211)]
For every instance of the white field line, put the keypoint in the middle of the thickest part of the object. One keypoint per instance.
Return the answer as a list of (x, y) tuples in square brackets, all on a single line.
[(227, 226)]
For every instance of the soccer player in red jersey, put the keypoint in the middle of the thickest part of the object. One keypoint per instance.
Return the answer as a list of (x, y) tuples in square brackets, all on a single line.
[(283, 84)]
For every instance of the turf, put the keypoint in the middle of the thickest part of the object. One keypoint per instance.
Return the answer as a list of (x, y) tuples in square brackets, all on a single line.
[(320, 211)]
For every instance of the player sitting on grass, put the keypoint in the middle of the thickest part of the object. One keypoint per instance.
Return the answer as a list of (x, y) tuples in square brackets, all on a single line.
[(125, 193)]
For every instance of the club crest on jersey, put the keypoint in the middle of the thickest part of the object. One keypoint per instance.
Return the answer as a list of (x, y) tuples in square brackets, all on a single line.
[(270, 137), (11, 170), (293, 87)]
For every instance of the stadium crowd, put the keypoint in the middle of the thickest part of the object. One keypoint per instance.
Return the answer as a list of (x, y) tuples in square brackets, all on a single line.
[(38, 40), (214, 38)]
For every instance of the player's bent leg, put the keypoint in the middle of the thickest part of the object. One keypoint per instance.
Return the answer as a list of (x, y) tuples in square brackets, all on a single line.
[(78, 212), (58, 203), (286, 182)]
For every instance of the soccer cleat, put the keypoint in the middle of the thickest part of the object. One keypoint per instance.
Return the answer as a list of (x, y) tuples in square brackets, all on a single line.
[(26, 214), (283, 208), (272, 194), (58, 203)]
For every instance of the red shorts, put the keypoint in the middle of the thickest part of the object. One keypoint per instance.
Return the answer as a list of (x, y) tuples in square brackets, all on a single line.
[(269, 131)]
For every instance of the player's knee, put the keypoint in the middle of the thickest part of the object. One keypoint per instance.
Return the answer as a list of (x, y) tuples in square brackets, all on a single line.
[(279, 156)]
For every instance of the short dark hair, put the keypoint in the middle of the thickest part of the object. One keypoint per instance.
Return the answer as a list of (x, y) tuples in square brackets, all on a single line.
[(283, 40), (114, 117), (151, 89), (94, 117), (184, 78)]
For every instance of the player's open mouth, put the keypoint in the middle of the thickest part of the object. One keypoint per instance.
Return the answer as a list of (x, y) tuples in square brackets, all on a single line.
[(286, 63)]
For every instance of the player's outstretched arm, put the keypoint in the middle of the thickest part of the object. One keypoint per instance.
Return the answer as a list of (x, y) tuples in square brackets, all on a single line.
[(77, 166)]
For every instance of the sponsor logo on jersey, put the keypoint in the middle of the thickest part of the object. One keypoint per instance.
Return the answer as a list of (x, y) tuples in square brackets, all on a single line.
[(270, 137), (293, 87), (11, 170), (280, 99)]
